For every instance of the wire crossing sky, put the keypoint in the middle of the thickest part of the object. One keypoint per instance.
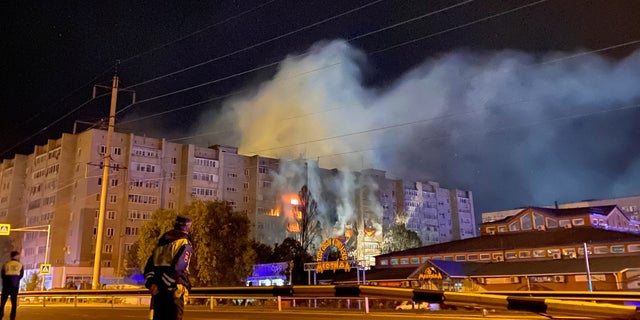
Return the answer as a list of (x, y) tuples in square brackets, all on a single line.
[(523, 102)]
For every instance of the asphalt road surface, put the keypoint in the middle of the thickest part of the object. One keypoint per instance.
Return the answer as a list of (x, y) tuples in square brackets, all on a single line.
[(31, 312)]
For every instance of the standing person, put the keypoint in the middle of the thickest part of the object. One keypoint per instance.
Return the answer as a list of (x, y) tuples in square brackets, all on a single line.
[(12, 272), (167, 272)]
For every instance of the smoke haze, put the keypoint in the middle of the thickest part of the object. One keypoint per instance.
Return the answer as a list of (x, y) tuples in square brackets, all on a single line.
[(507, 125)]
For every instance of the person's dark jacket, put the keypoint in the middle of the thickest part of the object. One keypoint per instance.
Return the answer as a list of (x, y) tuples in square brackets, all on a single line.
[(169, 262)]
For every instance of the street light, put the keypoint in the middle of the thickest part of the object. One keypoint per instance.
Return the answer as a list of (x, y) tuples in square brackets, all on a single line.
[(43, 228)]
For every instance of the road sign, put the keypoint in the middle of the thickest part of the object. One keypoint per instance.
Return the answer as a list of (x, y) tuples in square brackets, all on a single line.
[(5, 229), (45, 268)]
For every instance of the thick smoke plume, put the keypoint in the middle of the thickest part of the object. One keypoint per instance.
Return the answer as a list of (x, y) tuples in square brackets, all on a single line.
[(507, 125)]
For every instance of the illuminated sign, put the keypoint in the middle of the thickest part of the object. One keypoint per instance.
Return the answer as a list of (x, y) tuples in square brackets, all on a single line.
[(430, 273), (340, 264), (45, 268), (5, 229)]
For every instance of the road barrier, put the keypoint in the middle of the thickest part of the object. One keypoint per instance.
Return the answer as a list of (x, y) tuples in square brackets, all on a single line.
[(541, 305)]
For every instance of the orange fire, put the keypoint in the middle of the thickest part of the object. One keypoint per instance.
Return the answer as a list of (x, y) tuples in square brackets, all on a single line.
[(297, 214), (275, 212), (291, 199), (293, 227), (370, 232), (348, 233)]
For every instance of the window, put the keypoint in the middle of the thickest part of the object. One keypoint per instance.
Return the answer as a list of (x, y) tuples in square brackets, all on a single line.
[(415, 260), (172, 205), (510, 255), (633, 248), (146, 199), (102, 149), (569, 253), (472, 257), (384, 262), (404, 261), (206, 162), (394, 261), (538, 219), (514, 226), (247, 172), (525, 221), (113, 198), (114, 182), (245, 185), (111, 215), (203, 191), (552, 223), (117, 151), (564, 223), (524, 254), (538, 253), (578, 222), (617, 249), (108, 248), (263, 170), (109, 232), (601, 250), (131, 231), (485, 256), (460, 257)]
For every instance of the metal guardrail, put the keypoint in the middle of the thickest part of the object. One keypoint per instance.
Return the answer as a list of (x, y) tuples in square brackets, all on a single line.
[(517, 301)]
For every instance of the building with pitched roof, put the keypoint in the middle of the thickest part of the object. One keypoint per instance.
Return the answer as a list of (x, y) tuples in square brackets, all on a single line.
[(536, 249)]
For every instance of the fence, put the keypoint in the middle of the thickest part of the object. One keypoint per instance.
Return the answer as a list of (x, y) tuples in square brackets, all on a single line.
[(581, 304)]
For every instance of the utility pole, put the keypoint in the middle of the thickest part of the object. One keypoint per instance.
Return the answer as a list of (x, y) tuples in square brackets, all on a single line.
[(105, 182)]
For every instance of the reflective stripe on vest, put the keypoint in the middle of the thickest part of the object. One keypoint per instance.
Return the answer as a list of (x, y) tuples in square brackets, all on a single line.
[(163, 256)]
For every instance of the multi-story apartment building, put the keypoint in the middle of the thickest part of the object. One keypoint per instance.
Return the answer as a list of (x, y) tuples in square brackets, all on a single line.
[(437, 214), (59, 185), (11, 179)]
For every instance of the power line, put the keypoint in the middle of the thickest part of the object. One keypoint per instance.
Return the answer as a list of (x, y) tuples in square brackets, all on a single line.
[(460, 26), (473, 133), (125, 60), (199, 31), (256, 45), (246, 71), (279, 61)]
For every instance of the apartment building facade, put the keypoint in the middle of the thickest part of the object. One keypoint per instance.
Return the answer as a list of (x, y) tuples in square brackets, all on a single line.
[(437, 214), (59, 185)]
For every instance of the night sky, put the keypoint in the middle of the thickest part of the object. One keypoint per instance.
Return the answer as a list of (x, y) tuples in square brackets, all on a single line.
[(504, 98)]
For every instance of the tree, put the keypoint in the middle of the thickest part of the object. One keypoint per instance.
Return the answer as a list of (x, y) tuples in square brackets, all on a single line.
[(222, 249), (292, 250), (223, 253), (264, 253), (399, 238), (161, 221), (310, 226), (34, 282)]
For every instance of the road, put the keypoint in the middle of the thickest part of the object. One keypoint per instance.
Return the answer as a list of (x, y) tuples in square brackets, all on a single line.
[(32, 312)]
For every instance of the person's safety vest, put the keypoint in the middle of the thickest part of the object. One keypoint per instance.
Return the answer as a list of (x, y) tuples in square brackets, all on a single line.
[(12, 268)]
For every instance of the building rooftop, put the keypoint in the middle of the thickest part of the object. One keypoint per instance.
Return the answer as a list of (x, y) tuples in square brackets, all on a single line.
[(521, 240)]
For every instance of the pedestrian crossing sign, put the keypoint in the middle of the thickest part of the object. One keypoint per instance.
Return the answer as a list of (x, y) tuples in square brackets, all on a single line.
[(5, 229), (45, 268)]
